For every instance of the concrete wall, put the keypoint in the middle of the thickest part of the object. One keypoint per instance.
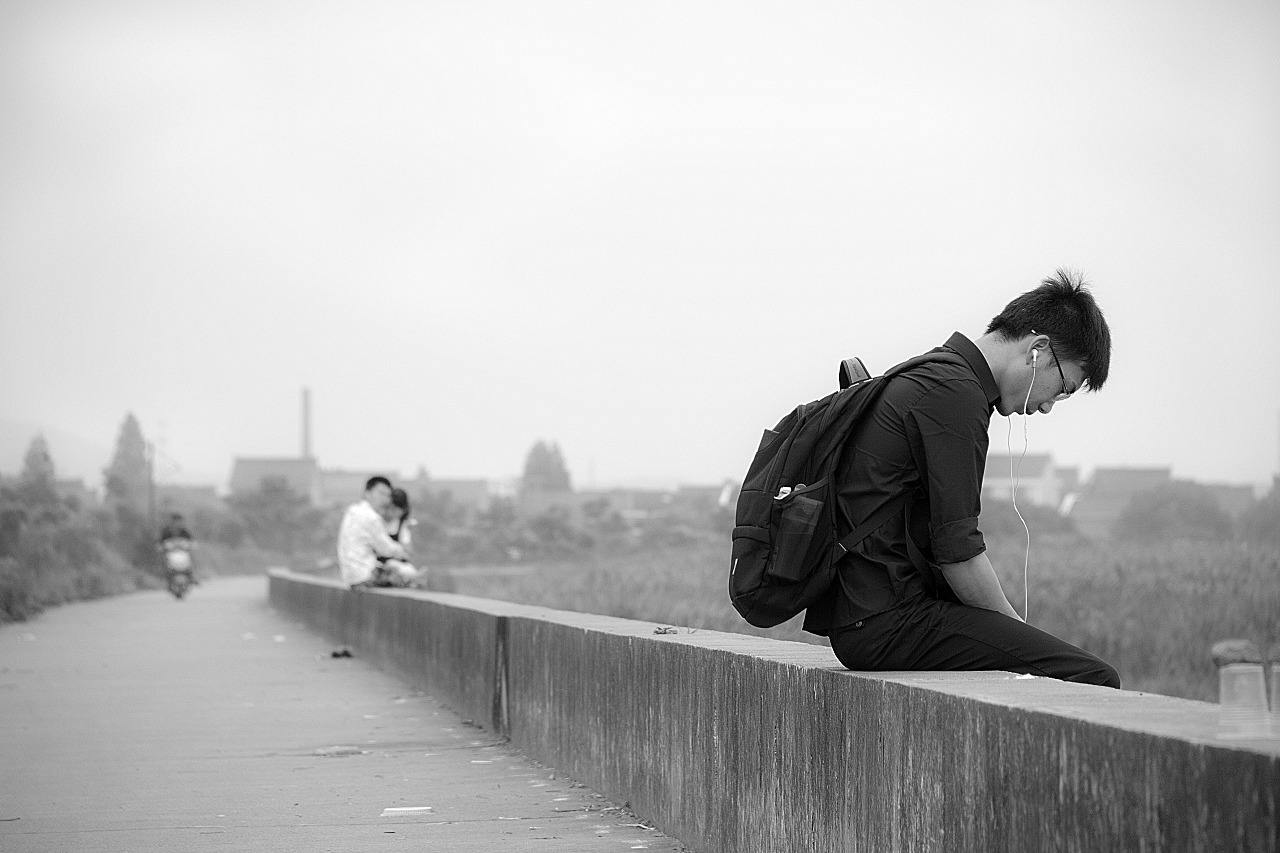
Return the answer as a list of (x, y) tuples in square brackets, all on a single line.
[(737, 744)]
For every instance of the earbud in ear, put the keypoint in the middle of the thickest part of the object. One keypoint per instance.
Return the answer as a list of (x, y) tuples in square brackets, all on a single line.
[(1035, 356)]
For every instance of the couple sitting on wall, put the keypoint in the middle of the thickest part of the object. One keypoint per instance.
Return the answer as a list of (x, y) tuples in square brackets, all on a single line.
[(374, 539)]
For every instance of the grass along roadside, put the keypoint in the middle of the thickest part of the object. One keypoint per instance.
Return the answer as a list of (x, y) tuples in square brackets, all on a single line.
[(1151, 612)]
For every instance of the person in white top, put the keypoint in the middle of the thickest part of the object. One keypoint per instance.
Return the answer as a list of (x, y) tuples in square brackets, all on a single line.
[(363, 543)]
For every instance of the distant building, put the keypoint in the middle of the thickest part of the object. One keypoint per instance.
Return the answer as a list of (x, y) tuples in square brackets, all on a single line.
[(473, 494), (301, 475), (1068, 479), (1233, 499), (529, 503), (186, 499), (1108, 492), (328, 487), (341, 486), (637, 505), (698, 496), (1038, 481)]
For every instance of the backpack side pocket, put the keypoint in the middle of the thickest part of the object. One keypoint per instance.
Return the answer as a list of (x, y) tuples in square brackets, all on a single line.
[(798, 519)]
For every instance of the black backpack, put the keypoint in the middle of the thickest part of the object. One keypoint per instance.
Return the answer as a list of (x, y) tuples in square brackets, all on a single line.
[(785, 539)]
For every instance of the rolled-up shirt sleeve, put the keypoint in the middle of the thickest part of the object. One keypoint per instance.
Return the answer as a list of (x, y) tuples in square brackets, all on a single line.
[(947, 429)]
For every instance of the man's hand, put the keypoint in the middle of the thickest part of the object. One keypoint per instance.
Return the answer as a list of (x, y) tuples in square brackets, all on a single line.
[(975, 583)]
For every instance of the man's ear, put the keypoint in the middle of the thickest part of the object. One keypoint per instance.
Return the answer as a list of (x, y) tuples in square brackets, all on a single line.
[(1038, 345)]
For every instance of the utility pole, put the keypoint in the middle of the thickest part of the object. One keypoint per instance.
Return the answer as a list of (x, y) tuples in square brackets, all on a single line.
[(306, 423), (151, 485)]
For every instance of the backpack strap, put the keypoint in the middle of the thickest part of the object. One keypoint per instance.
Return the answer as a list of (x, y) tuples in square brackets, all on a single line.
[(866, 528), (848, 404), (942, 589)]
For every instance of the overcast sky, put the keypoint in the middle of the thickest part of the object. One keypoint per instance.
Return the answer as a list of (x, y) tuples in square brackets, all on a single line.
[(644, 231)]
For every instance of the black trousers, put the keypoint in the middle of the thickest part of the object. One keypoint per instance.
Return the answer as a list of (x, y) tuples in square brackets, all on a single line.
[(933, 634)]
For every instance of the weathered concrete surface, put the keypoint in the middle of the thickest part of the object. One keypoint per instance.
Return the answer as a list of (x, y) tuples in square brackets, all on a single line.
[(139, 723), (451, 648), (739, 744), (742, 744)]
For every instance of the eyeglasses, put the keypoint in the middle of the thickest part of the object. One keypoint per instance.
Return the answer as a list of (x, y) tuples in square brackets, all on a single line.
[(1065, 393)]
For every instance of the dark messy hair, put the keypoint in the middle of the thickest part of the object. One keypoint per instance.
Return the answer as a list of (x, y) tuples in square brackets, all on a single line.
[(1062, 308), (400, 498), (376, 481)]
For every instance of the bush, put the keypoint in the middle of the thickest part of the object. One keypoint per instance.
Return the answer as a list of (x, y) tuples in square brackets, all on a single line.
[(17, 593), (275, 518), (1175, 511), (1000, 520), (55, 553), (1153, 612), (1260, 525)]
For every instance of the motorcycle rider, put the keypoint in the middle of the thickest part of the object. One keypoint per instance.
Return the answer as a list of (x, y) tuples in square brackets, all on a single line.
[(175, 535), (175, 528)]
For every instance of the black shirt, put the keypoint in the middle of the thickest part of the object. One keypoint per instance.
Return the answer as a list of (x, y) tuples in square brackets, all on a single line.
[(926, 435)]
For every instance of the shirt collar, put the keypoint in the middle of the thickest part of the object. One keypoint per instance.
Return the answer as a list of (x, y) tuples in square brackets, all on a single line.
[(977, 362)]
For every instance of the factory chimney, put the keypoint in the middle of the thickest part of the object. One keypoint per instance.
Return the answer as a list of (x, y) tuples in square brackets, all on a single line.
[(306, 423)]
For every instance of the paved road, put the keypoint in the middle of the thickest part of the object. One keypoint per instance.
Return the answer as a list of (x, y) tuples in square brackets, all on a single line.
[(141, 723)]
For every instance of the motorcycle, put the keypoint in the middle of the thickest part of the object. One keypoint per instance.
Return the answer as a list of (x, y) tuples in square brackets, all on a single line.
[(179, 567)]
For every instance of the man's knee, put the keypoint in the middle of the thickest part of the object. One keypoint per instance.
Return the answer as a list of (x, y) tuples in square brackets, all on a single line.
[(1111, 678), (1098, 672)]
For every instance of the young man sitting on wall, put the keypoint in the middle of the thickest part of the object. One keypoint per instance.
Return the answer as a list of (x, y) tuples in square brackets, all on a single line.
[(920, 593)]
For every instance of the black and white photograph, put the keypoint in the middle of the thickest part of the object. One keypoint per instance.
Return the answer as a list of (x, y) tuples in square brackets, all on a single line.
[(585, 426)]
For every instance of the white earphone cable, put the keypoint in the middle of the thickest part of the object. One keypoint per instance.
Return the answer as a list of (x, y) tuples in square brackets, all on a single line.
[(1014, 480)]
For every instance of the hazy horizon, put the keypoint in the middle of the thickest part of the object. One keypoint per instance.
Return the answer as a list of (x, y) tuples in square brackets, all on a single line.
[(88, 459), (643, 233)]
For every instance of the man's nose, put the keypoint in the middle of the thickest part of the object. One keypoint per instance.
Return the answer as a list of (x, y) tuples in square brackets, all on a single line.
[(1046, 407)]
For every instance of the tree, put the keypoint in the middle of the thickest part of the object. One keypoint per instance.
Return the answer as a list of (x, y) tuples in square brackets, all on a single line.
[(51, 551), (279, 519), (1174, 511), (544, 470), (555, 534), (1260, 524), (602, 520), (128, 503), (13, 516), (36, 483), (128, 477)]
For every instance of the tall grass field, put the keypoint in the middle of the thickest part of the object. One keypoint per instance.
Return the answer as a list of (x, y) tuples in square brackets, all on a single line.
[(1153, 612)]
